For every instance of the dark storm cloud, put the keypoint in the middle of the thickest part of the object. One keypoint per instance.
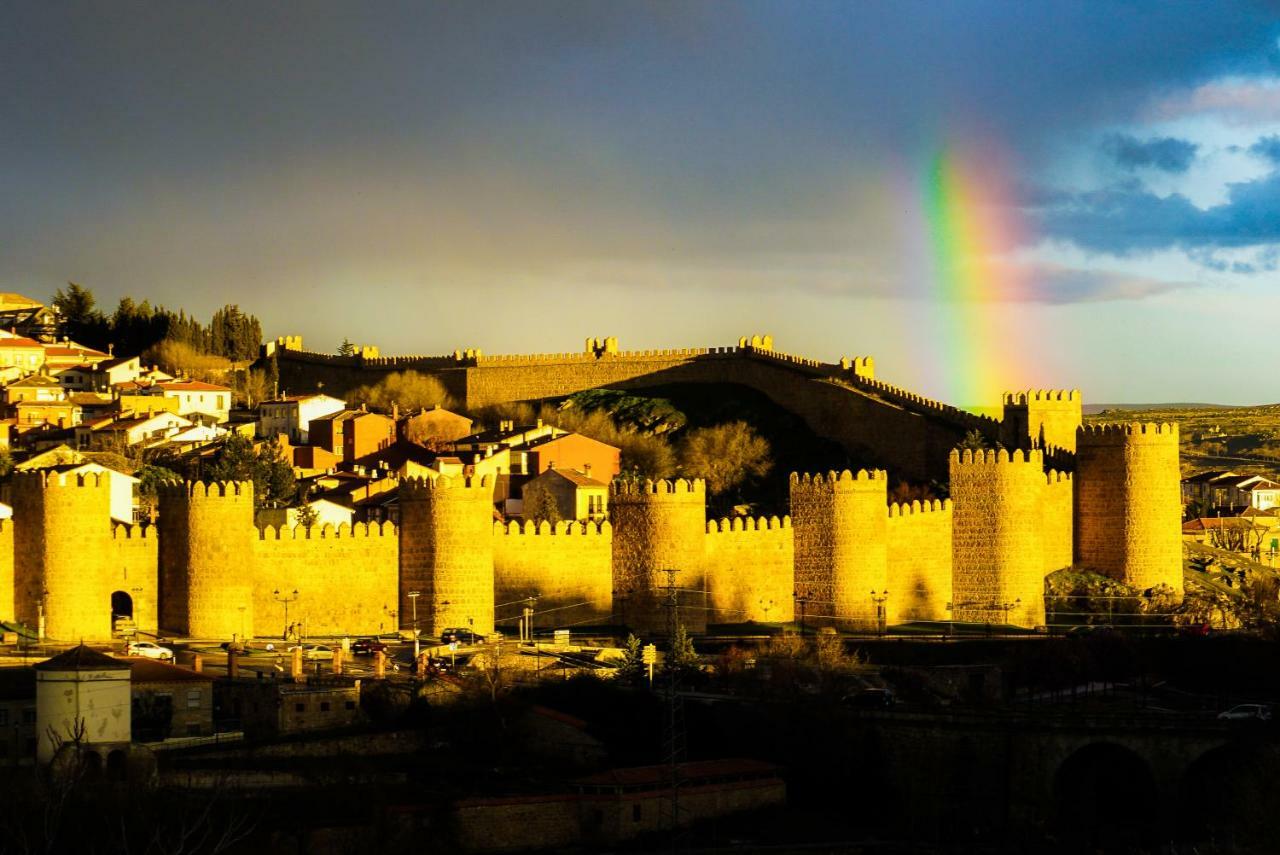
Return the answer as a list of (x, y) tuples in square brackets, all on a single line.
[(1167, 154), (1267, 148), (158, 148), (1129, 219)]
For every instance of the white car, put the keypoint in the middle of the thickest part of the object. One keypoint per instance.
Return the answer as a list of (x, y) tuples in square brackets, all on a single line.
[(1244, 712), (151, 650), (314, 651)]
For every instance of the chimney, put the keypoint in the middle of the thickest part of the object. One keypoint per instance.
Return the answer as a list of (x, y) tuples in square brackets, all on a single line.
[(586, 469), (551, 464), (539, 423), (505, 425)]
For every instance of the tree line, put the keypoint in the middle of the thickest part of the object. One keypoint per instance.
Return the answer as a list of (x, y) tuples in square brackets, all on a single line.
[(136, 327)]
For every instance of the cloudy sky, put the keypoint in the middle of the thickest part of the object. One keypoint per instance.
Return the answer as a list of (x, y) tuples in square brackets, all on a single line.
[(518, 176)]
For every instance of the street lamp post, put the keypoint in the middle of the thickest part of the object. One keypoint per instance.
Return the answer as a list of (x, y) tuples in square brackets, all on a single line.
[(802, 599), (882, 619), (241, 609), (286, 599), (413, 598)]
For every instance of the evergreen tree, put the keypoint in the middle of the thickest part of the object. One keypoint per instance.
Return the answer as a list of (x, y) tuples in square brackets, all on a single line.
[(632, 669), (682, 657), (346, 348), (272, 476)]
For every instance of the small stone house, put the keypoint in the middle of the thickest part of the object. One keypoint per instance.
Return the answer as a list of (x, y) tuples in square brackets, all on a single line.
[(575, 495), (169, 701)]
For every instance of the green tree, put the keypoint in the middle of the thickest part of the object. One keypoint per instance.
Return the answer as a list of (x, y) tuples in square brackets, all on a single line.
[(645, 456), (81, 321), (6, 462), (543, 508), (682, 657), (307, 516), (346, 348), (272, 476), (973, 441), (725, 456), (632, 668), (409, 390)]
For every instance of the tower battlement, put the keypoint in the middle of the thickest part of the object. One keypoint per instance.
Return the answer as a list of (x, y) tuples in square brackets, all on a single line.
[(421, 488), (1163, 433), (733, 524), (864, 480), (997, 457), (631, 490), (206, 490), (1032, 396), (43, 480)]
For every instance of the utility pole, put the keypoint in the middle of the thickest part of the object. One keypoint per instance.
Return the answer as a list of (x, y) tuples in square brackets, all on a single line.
[(674, 738)]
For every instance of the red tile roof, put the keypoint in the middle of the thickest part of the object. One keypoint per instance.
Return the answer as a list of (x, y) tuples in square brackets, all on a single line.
[(190, 386), (144, 670)]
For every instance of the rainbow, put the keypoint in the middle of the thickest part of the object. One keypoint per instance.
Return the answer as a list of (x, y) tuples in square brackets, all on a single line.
[(965, 213)]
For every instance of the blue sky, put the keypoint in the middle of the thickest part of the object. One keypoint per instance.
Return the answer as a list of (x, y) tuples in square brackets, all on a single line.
[(518, 176)]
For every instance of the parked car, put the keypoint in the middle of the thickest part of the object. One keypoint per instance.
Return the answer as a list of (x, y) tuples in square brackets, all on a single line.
[(314, 651), (151, 650), (368, 646), (462, 635), (1247, 712), (869, 699)]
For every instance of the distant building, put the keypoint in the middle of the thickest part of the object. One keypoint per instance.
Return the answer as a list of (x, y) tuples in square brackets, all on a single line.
[(83, 697), (36, 387), (1226, 490), (21, 354), (169, 701), (434, 424), (292, 415), (18, 734), (266, 708), (353, 434), (574, 495), (196, 397)]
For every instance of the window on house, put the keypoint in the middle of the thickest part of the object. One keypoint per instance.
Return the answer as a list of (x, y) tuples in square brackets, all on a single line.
[(635, 813), (29, 716), (351, 705), (324, 706), (193, 728), (193, 699), (299, 707), (4, 717)]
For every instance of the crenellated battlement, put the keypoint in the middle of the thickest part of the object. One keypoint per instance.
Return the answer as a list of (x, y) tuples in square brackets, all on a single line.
[(421, 487), (45, 480), (997, 457), (859, 366), (911, 401), (625, 490), (729, 525), (756, 342), (1053, 476), (329, 531), (1030, 396), (242, 490), (908, 509), (563, 528), (837, 481), (1127, 433), (124, 531)]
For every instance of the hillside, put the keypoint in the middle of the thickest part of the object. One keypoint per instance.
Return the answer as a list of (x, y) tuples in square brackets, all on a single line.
[(674, 410)]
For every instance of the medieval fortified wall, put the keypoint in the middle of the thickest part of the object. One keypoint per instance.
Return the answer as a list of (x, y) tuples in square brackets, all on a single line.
[(843, 556)]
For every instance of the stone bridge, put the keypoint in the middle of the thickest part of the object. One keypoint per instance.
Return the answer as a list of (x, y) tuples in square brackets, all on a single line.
[(1090, 780)]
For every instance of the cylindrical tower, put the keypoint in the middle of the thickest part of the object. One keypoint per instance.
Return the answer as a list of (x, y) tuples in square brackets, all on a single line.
[(659, 526), (841, 547), (1128, 503), (446, 553), (997, 549), (206, 558), (62, 540)]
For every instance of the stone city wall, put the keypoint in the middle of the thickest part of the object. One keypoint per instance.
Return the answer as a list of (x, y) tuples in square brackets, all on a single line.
[(134, 566), (919, 561), (997, 536), (1057, 521), (347, 579), (749, 565), (567, 566), (8, 606)]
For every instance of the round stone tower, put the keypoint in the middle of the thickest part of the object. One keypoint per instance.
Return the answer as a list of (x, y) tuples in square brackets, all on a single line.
[(841, 547), (659, 526), (62, 540), (206, 558), (446, 553), (1128, 503), (997, 548)]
